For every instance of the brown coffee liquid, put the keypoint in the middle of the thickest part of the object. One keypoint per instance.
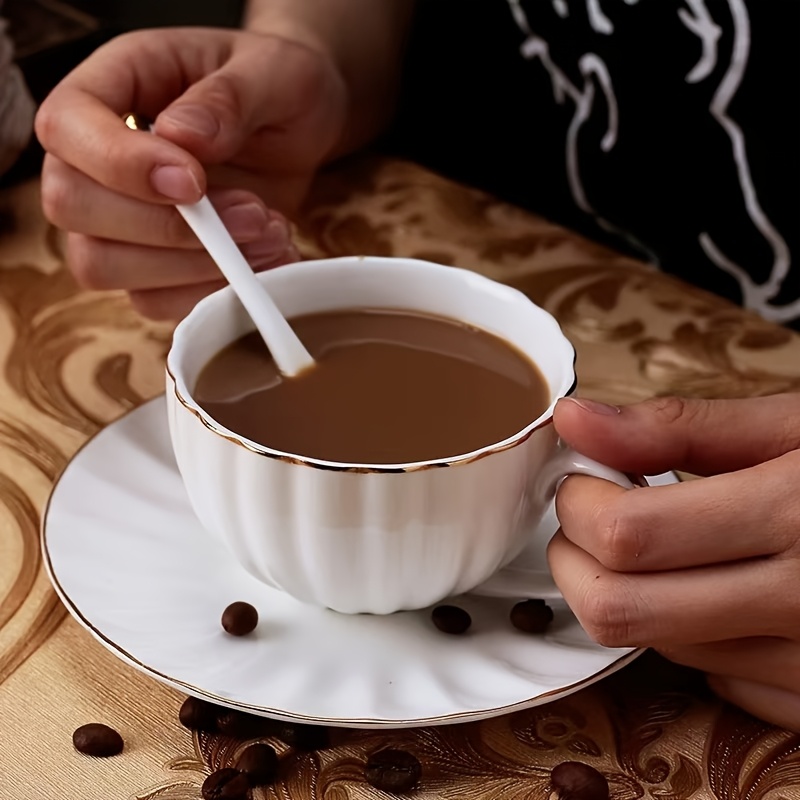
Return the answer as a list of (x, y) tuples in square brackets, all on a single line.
[(389, 387)]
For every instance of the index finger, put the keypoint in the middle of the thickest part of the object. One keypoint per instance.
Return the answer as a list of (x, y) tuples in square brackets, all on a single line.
[(676, 607), (745, 514), (81, 123)]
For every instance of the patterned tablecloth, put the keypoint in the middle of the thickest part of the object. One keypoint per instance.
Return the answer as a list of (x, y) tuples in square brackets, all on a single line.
[(74, 361)]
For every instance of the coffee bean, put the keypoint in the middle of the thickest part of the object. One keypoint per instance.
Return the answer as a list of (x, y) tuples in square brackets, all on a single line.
[(451, 619), (225, 784), (241, 725), (575, 781), (259, 764), (198, 715), (303, 737), (239, 619), (531, 616), (96, 739), (393, 771)]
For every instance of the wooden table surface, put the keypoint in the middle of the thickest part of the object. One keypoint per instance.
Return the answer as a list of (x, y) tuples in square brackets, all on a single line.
[(73, 361)]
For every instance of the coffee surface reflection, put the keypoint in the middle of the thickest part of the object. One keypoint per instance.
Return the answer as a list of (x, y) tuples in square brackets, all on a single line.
[(390, 387)]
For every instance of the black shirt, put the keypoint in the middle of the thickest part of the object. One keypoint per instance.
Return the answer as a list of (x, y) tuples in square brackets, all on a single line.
[(670, 128)]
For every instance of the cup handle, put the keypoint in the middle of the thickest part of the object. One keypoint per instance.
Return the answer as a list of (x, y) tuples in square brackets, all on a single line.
[(526, 577), (568, 462)]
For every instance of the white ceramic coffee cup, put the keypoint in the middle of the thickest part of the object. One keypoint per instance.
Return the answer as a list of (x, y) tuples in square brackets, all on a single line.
[(364, 537)]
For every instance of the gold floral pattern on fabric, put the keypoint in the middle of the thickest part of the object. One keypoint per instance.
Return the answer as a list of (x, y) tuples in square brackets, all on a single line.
[(72, 361), (635, 727)]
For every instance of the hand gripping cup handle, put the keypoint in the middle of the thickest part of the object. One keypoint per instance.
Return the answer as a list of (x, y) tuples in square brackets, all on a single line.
[(568, 462), (528, 575)]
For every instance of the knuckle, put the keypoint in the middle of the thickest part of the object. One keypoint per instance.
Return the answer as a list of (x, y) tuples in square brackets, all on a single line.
[(55, 194), (111, 152), (120, 166), (87, 263), (45, 124), (174, 231), (620, 538), (607, 615), (673, 409)]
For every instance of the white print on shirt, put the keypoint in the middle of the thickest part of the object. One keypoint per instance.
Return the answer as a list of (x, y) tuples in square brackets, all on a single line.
[(701, 24), (756, 296), (696, 18), (591, 66)]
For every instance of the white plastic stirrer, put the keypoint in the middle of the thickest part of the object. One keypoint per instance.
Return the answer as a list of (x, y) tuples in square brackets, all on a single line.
[(287, 350)]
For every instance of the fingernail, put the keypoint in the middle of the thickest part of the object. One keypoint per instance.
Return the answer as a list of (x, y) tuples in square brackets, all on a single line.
[(196, 119), (246, 222), (176, 183), (272, 244), (593, 407)]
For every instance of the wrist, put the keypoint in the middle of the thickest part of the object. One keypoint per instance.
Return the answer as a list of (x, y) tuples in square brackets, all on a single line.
[(278, 19), (366, 56)]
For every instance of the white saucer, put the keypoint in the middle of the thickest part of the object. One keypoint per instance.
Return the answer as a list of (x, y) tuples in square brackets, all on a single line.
[(132, 564)]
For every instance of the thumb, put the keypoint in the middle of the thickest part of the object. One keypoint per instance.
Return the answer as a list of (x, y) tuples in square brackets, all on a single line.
[(214, 117), (704, 437)]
